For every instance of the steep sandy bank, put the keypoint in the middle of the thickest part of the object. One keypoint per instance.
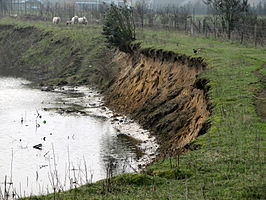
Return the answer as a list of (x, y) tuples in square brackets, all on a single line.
[(162, 92)]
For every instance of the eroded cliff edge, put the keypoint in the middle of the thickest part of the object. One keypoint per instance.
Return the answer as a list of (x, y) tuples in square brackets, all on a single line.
[(162, 91)]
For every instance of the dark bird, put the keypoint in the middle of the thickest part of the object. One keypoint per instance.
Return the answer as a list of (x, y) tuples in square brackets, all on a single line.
[(44, 138), (195, 51)]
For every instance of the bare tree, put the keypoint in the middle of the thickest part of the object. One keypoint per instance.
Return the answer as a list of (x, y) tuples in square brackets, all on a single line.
[(3, 6), (230, 11), (141, 9)]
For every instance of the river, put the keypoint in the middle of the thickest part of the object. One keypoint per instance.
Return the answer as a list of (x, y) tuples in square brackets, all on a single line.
[(75, 137)]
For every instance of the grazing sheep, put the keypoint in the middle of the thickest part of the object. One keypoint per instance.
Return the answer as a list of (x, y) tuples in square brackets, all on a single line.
[(83, 20), (74, 20), (56, 20), (68, 22)]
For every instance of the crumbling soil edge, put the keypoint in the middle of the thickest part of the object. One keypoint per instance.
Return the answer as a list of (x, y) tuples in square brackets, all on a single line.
[(163, 92)]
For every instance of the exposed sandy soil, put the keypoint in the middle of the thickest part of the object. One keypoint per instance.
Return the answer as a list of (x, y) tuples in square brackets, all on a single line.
[(162, 92)]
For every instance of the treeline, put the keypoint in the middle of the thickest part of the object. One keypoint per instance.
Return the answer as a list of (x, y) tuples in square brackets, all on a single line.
[(227, 19)]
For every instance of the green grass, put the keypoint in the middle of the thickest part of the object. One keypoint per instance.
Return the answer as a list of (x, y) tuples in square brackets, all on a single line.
[(62, 53), (231, 160), (263, 71)]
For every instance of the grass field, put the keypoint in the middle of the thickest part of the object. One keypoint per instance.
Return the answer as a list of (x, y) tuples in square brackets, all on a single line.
[(59, 53), (230, 160)]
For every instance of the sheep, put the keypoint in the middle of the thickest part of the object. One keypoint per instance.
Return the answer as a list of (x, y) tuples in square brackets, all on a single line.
[(68, 22), (83, 20), (56, 20), (74, 20)]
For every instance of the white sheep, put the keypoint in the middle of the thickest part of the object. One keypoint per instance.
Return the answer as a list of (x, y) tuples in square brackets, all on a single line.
[(68, 22), (74, 20), (56, 20), (83, 20)]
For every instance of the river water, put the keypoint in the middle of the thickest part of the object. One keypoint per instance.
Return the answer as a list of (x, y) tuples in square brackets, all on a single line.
[(77, 139)]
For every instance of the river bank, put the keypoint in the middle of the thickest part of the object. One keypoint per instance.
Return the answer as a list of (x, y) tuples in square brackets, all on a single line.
[(87, 101), (227, 161), (159, 89)]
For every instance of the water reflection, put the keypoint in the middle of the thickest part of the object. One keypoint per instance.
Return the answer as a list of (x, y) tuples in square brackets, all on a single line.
[(42, 150), (116, 154)]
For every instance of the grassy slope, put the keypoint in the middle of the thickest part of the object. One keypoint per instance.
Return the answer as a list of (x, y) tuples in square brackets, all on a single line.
[(230, 163), (59, 53)]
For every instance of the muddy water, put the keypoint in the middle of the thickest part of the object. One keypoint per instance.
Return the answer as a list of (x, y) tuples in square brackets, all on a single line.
[(77, 139)]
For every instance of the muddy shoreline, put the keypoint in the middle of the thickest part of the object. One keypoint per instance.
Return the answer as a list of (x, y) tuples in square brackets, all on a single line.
[(143, 143)]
